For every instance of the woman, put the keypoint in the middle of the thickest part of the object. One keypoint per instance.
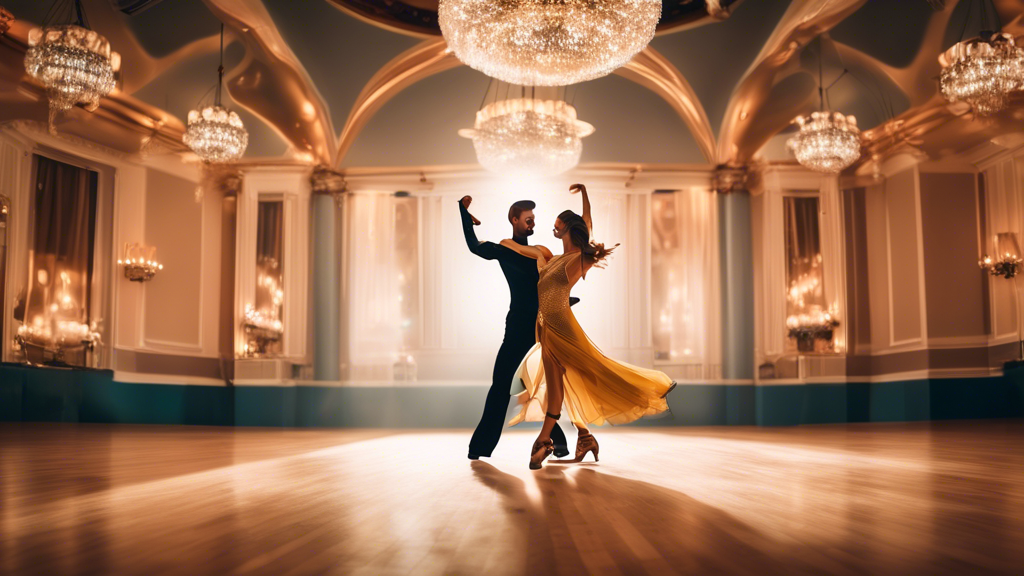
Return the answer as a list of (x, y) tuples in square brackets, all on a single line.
[(594, 388)]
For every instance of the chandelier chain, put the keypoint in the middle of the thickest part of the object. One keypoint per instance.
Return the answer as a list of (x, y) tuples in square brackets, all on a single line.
[(220, 69)]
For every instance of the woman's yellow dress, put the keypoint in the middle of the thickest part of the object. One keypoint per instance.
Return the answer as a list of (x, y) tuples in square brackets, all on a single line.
[(597, 388)]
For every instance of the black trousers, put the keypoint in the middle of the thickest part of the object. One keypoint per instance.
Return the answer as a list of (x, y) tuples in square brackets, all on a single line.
[(520, 336)]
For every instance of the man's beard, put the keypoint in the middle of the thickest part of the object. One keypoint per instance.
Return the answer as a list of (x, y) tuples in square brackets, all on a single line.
[(528, 232)]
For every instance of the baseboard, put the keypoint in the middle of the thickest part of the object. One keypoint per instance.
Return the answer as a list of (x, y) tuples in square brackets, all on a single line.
[(40, 394)]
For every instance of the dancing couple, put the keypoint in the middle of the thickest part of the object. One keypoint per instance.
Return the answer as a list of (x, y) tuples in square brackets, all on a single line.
[(594, 388)]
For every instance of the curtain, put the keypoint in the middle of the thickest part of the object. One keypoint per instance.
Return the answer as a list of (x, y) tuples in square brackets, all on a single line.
[(685, 283), (374, 287), (833, 252), (63, 228)]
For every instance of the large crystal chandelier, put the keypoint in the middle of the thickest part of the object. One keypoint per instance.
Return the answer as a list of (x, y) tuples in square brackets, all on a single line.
[(547, 42), (215, 133), (983, 72), (826, 142), (528, 137), (75, 64)]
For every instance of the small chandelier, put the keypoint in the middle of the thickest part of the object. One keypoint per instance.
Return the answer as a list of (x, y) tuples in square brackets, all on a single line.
[(214, 133), (983, 72), (546, 43), (528, 136), (827, 142), (75, 64)]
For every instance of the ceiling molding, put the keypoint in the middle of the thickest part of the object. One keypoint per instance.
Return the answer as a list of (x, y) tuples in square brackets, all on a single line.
[(648, 69)]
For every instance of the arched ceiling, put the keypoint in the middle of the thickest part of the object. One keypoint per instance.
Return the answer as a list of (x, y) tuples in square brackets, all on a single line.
[(363, 82)]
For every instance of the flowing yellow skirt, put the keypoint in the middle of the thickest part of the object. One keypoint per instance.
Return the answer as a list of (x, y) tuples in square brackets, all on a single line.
[(597, 388)]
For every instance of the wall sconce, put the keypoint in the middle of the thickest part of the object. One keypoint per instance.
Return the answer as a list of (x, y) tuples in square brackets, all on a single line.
[(1007, 264), (1007, 261), (261, 331), (139, 262), (807, 328)]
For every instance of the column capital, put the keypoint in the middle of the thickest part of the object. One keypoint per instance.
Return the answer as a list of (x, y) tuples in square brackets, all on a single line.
[(324, 180), (220, 177), (730, 179)]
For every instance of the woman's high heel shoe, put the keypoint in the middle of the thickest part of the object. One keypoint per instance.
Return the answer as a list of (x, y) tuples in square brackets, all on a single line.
[(542, 448), (586, 443)]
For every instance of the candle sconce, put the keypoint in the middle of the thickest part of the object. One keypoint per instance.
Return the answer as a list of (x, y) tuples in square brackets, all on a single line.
[(1007, 261), (262, 331), (1007, 264), (139, 262), (807, 328)]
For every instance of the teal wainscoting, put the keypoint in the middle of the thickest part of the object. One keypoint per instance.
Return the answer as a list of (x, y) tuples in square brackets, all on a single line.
[(30, 394)]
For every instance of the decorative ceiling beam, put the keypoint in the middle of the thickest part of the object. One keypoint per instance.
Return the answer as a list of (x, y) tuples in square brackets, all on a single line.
[(421, 61), (741, 135), (653, 71), (272, 83)]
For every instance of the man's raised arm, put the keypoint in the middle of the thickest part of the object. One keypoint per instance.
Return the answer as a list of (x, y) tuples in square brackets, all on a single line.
[(485, 250)]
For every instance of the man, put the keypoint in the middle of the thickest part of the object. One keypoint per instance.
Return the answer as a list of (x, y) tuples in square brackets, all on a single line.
[(520, 323)]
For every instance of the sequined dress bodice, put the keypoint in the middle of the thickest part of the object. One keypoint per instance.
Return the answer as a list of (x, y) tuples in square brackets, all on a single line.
[(553, 293)]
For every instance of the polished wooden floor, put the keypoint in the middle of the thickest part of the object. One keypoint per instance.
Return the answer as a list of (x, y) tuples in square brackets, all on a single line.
[(938, 498)]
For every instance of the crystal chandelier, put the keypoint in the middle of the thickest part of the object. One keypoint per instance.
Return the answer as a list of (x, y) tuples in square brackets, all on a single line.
[(528, 136), (983, 72), (827, 142), (75, 64), (214, 133), (545, 42)]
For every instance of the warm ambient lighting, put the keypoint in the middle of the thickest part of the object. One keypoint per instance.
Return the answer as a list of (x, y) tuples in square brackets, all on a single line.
[(215, 133), (528, 137), (75, 65), (827, 142), (545, 43), (983, 72), (139, 262)]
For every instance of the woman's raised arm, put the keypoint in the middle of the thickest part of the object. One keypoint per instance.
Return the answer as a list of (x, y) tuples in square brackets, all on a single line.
[(586, 206)]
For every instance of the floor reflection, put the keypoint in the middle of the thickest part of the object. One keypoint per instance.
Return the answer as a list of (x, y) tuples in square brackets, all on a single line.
[(891, 499)]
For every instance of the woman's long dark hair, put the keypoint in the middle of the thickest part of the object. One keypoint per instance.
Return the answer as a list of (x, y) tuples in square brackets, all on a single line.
[(579, 235)]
